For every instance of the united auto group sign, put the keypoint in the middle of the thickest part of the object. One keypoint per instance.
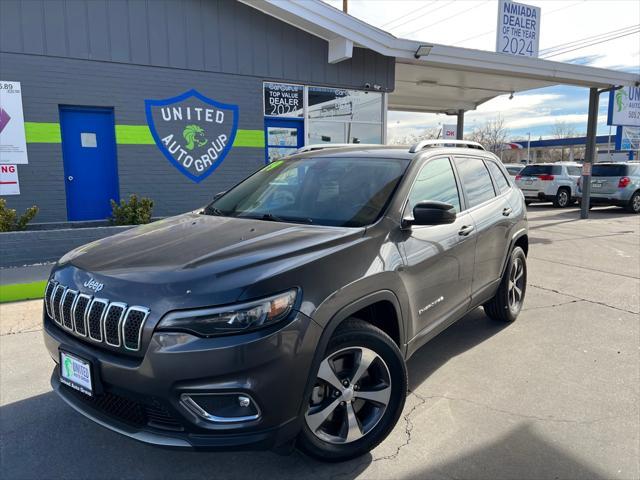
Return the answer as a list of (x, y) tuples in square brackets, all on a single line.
[(195, 133)]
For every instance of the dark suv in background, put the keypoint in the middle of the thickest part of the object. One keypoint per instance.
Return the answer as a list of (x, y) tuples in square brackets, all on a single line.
[(285, 310)]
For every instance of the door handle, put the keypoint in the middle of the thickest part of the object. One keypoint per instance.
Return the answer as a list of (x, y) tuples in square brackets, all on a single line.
[(70, 178), (507, 211), (466, 230)]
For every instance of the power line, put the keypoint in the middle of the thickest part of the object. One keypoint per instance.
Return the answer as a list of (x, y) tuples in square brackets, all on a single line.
[(412, 13), (592, 44), (457, 14), (562, 46)]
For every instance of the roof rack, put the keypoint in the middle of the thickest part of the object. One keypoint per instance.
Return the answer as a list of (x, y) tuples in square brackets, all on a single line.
[(444, 142), (323, 146)]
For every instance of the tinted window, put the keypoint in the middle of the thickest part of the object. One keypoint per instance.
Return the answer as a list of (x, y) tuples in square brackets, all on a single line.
[(535, 170), (574, 171), (435, 182), (348, 192), (498, 176), (609, 170), (475, 180)]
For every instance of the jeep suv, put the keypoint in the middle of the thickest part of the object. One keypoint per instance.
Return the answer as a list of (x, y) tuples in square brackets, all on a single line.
[(283, 312), (550, 182)]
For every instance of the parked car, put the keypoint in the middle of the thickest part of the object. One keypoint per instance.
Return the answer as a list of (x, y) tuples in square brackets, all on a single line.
[(513, 169), (550, 182), (285, 310), (615, 184)]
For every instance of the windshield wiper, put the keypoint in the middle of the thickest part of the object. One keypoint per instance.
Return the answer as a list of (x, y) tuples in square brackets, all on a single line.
[(210, 210)]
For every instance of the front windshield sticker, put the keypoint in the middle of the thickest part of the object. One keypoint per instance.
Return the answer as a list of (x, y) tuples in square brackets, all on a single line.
[(195, 133)]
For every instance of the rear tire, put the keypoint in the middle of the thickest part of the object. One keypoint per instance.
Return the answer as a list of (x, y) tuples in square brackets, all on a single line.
[(562, 198), (505, 306), (354, 407), (634, 203)]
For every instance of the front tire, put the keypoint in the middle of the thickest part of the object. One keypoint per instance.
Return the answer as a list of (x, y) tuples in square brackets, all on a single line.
[(505, 306), (358, 396)]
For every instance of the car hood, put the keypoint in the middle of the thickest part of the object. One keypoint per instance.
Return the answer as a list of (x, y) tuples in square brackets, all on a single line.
[(192, 246)]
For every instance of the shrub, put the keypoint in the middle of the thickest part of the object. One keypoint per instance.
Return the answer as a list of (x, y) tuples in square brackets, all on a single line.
[(9, 220), (133, 212)]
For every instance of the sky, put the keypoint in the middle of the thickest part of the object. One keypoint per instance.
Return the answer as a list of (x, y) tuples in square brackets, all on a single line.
[(472, 24)]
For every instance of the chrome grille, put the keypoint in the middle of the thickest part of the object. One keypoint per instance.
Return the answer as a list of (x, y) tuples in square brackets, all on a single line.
[(98, 319)]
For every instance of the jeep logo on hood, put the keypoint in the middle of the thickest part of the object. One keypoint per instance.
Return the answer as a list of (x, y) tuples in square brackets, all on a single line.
[(194, 132), (94, 285)]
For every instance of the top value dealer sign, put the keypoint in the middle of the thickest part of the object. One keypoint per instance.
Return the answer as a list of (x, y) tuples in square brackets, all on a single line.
[(518, 29)]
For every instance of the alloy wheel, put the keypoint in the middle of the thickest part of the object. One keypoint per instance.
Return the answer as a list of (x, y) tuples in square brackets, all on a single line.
[(351, 395), (563, 198), (636, 203), (516, 284)]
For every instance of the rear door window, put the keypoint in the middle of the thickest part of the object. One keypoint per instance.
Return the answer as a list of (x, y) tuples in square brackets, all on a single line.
[(498, 176), (476, 180)]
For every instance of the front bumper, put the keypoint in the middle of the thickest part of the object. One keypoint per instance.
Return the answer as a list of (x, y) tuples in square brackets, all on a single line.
[(140, 397)]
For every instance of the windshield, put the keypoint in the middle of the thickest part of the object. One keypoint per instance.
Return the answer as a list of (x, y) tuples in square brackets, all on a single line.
[(609, 170), (349, 192)]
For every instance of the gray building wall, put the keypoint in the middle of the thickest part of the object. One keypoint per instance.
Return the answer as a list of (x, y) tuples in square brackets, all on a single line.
[(119, 53)]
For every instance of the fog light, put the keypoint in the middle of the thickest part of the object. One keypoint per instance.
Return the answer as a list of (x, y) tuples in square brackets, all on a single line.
[(222, 407)]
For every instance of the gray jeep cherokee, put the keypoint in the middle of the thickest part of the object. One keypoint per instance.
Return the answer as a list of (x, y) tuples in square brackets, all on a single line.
[(283, 313)]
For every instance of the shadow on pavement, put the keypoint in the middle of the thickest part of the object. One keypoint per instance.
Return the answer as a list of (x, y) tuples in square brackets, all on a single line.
[(521, 454)]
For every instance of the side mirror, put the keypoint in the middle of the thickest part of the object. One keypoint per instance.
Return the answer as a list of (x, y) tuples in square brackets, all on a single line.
[(431, 213)]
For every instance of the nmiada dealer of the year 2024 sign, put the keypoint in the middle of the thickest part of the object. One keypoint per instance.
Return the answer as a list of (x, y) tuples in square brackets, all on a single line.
[(195, 133)]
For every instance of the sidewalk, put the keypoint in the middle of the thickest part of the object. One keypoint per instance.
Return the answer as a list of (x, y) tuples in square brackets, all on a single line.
[(23, 283)]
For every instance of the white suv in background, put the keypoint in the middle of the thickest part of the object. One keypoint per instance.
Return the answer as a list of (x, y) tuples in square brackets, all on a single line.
[(550, 182)]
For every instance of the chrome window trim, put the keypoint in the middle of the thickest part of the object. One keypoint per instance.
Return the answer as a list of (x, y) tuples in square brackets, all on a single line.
[(84, 316), (191, 405), (47, 302), (73, 304), (134, 308), (105, 302), (53, 310), (118, 327)]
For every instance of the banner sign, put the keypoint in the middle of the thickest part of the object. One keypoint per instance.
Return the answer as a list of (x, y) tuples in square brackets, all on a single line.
[(624, 107), (13, 145), (9, 183), (283, 100), (630, 138), (195, 133), (449, 131), (518, 30)]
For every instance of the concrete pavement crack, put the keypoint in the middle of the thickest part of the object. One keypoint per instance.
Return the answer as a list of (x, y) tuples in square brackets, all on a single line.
[(584, 268), (594, 302), (17, 332), (551, 306)]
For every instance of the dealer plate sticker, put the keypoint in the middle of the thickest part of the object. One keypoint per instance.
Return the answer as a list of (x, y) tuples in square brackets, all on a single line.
[(76, 373)]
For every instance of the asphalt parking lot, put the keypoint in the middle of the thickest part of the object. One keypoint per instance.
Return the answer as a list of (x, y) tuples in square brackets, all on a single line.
[(554, 395)]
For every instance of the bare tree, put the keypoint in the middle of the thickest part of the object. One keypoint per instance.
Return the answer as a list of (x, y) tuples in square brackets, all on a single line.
[(492, 135), (562, 130), (412, 138)]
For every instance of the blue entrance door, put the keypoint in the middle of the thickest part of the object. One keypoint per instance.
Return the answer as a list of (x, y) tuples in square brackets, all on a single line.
[(282, 137), (90, 165)]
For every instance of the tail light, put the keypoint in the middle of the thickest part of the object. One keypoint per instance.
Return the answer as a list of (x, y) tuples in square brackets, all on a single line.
[(518, 177), (546, 177), (624, 181)]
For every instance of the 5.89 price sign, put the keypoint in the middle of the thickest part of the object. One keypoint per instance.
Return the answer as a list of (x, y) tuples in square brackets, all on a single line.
[(518, 29)]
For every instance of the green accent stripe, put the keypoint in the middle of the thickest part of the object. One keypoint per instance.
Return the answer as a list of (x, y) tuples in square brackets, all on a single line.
[(37, 132), (22, 291)]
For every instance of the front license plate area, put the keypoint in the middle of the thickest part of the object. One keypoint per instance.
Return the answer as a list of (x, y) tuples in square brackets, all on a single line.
[(75, 372)]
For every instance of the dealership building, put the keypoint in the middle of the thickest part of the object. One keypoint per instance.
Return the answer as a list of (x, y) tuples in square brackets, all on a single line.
[(178, 100)]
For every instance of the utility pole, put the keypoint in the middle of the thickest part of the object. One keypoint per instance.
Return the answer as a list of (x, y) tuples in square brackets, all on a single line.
[(529, 149), (590, 152), (345, 6)]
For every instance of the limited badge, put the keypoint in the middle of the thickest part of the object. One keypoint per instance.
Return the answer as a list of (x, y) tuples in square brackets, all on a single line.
[(194, 132)]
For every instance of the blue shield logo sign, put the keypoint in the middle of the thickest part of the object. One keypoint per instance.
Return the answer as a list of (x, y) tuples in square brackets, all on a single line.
[(194, 132)]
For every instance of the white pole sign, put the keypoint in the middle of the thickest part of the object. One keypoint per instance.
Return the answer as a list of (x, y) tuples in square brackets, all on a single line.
[(518, 29), (624, 107), (9, 184), (13, 145), (449, 131)]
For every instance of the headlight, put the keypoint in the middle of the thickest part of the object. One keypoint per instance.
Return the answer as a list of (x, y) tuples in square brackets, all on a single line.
[(231, 319)]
